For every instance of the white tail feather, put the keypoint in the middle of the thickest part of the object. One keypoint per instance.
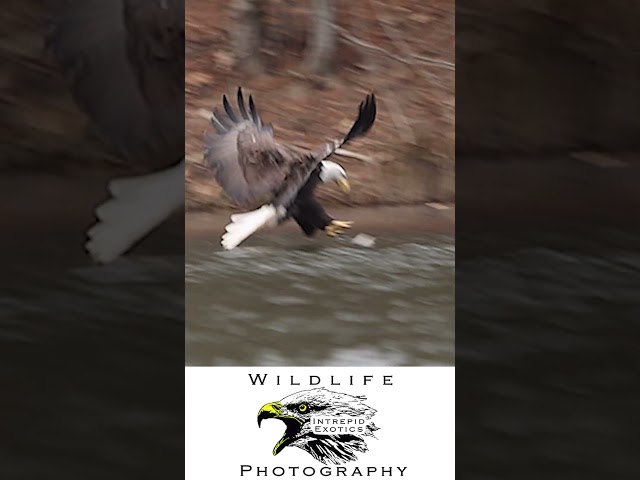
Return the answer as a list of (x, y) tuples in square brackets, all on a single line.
[(243, 225), (239, 216), (137, 206)]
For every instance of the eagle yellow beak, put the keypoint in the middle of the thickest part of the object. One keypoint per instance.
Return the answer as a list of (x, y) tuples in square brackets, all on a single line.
[(270, 410), (273, 410), (343, 183)]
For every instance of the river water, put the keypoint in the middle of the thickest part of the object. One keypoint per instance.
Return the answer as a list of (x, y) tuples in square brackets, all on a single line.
[(91, 364), (543, 326), (287, 300)]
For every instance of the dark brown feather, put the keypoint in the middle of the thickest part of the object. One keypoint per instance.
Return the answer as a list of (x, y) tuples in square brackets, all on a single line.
[(245, 158), (254, 112), (229, 110), (241, 107)]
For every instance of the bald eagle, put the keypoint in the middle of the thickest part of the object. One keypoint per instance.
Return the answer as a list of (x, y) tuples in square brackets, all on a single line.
[(299, 413), (124, 63), (275, 179)]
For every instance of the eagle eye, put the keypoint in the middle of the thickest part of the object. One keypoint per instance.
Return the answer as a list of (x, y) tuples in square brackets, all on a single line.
[(303, 407)]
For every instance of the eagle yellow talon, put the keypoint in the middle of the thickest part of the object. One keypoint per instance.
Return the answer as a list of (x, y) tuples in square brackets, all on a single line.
[(342, 223), (336, 226)]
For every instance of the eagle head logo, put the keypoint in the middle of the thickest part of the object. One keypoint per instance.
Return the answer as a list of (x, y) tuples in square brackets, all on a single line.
[(305, 415)]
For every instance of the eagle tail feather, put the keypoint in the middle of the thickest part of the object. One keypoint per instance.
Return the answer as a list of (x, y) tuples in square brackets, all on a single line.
[(136, 207), (243, 225)]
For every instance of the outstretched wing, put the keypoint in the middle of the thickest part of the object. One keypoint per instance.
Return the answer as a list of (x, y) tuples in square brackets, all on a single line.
[(246, 160), (299, 172)]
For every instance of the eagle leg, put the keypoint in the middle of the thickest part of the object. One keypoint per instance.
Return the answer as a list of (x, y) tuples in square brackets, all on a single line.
[(336, 227)]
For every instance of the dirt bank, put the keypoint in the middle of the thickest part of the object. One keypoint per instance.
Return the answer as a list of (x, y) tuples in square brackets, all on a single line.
[(435, 218)]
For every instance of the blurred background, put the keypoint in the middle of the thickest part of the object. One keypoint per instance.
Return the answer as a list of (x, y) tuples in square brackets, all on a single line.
[(283, 299), (546, 126), (54, 158), (51, 159), (89, 355), (309, 64), (547, 236)]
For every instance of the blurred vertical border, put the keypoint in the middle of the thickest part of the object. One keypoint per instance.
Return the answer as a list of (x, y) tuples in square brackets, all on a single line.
[(547, 164), (91, 357)]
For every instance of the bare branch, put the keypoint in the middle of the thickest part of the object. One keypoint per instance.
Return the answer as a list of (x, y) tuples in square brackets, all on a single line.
[(416, 59), (434, 61), (340, 152), (358, 156)]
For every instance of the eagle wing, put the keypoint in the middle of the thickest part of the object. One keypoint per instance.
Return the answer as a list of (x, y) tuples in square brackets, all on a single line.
[(299, 172), (246, 160), (124, 61), (252, 168)]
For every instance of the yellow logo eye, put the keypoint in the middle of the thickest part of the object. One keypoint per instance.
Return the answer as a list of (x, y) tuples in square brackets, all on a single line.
[(303, 407)]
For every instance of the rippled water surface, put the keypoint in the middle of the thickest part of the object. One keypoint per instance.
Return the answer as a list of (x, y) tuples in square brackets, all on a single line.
[(290, 301), (543, 326), (93, 357), (544, 344)]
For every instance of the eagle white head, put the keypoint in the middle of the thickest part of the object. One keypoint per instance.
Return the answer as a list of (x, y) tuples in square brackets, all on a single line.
[(332, 172)]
